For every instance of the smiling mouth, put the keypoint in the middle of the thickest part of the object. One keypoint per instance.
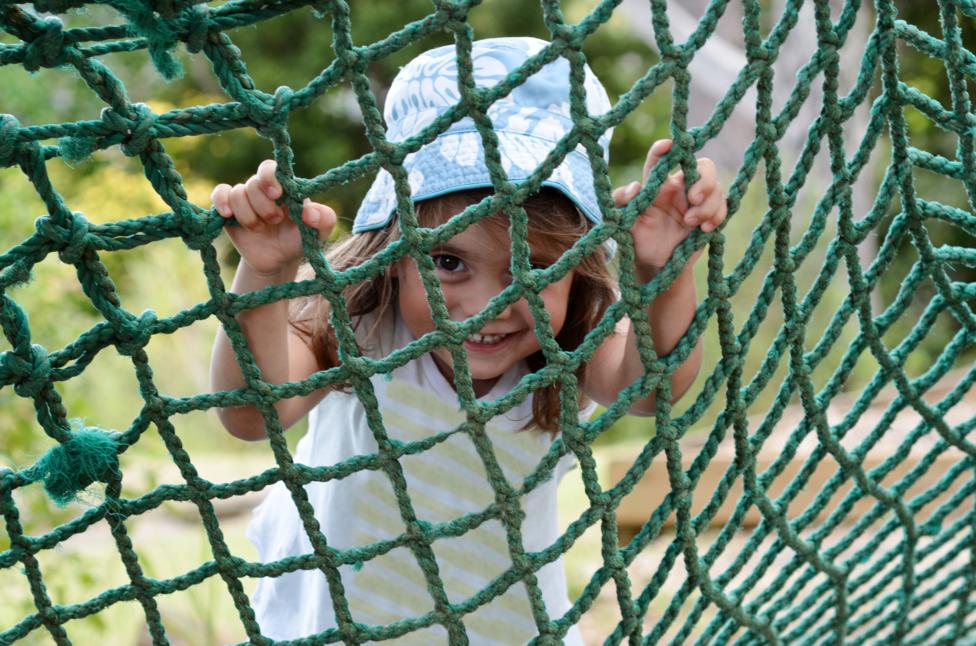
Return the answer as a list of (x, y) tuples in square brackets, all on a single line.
[(487, 339)]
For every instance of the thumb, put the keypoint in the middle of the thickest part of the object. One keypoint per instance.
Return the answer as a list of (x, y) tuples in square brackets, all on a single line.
[(320, 217)]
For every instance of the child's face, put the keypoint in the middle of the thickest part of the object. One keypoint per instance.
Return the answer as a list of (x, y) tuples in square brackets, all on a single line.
[(473, 267)]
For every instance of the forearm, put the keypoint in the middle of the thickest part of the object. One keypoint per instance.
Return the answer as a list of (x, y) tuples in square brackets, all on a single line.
[(265, 329), (669, 315), (661, 227), (617, 364)]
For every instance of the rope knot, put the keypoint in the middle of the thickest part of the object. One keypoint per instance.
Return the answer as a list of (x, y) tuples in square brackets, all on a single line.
[(282, 105), (451, 10), (671, 435), (70, 238), (141, 123), (134, 333), (271, 113), (390, 151), (356, 365), (419, 529), (562, 31), (529, 282), (89, 455), (767, 132), (655, 367), (833, 113), (30, 374), (510, 511), (829, 39), (267, 399), (9, 139), (199, 232), (160, 29), (561, 359), (589, 125), (678, 55), (353, 59), (719, 290), (455, 333), (138, 130), (197, 21), (154, 406), (760, 53), (685, 141), (614, 561), (47, 48)]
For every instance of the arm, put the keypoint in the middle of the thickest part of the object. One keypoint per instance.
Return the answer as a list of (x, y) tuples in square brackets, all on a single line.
[(271, 251), (657, 231)]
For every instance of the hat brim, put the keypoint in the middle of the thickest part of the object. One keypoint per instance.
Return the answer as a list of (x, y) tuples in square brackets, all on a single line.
[(455, 161)]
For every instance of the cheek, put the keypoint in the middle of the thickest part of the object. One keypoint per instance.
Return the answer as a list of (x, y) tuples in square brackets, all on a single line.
[(412, 300), (556, 298)]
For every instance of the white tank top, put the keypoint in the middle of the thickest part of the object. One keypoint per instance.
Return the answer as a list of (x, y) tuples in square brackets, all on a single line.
[(444, 483)]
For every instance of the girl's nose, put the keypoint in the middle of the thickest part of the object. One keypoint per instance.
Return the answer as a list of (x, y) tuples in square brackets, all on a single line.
[(478, 296)]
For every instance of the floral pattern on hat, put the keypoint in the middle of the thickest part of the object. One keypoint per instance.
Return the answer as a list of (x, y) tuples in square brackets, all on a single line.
[(528, 122)]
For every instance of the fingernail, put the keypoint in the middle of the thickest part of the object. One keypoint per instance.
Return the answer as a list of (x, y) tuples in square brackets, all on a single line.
[(274, 192), (634, 189), (312, 218)]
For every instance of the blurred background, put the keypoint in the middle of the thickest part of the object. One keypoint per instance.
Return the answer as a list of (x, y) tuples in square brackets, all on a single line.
[(167, 277)]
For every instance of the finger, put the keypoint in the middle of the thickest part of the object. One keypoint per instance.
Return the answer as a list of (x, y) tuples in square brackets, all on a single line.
[(704, 212), (707, 181), (268, 180), (320, 217), (657, 150), (624, 194), (241, 208), (220, 198), (263, 206), (707, 212), (673, 191), (717, 219)]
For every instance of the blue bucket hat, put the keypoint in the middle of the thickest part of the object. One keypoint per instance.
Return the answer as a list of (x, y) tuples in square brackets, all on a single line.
[(529, 121)]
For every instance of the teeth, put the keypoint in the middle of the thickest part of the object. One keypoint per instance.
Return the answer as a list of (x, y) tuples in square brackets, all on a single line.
[(486, 338)]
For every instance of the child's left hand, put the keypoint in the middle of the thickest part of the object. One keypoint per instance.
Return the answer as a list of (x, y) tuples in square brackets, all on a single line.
[(667, 221)]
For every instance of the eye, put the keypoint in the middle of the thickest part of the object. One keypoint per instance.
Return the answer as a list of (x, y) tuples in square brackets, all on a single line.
[(447, 263)]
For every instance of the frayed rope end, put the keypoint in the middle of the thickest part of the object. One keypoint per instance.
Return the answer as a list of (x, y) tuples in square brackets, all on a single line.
[(67, 469), (76, 149)]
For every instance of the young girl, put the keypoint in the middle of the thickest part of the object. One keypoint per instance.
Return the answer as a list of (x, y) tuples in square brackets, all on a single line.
[(449, 480)]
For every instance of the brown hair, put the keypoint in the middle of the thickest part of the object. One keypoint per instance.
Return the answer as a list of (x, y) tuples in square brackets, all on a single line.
[(554, 223)]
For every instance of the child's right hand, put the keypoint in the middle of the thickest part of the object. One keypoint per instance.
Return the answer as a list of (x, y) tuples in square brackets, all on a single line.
[(267, 239)]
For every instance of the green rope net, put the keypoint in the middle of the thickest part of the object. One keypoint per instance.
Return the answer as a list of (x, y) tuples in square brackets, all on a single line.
[(881, 579)]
